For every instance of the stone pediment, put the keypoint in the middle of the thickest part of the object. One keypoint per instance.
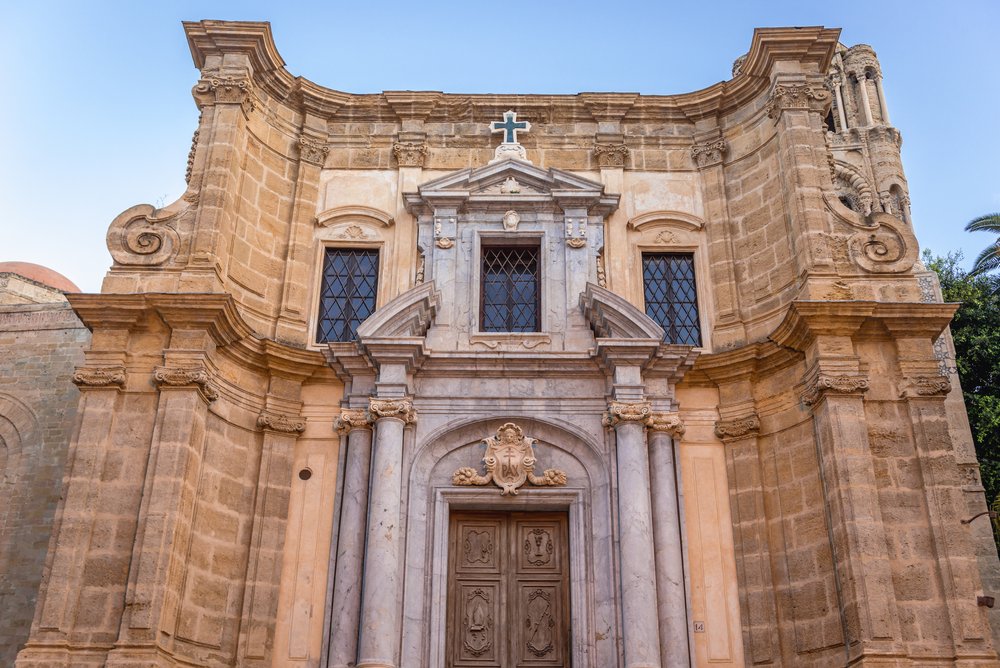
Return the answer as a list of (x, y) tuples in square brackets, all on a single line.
[(507, 182)]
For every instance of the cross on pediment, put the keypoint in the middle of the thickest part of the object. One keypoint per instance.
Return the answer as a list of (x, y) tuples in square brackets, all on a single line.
[(509, 126)]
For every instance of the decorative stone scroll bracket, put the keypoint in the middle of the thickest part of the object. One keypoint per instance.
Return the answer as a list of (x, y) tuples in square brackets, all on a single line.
[(409, 154), (626, 411), (823, 384), (313, 151), (225, 90), (145, 236), (925, 386), (746, 426), (104, 376), (670, 423), (510, 462), (401, 409), (611, 155), (709, 153), (785, 97), (179, 377), (284, 424), (352, 418)]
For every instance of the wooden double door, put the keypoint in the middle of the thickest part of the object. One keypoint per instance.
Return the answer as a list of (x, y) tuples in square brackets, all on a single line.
[(508, 590)]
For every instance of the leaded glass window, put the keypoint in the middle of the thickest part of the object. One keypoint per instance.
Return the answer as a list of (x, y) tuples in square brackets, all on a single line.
[(509, 300), (350, 283), (671, 298)]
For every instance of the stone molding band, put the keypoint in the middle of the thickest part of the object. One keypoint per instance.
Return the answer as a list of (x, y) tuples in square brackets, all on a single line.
[(400, 409)]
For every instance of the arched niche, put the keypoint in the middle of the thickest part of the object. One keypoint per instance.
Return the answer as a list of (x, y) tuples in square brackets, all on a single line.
[(18, 427), (586, 498)]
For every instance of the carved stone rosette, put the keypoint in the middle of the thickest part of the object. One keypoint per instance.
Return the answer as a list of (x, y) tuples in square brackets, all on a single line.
[(670, 423), (175, 376), (747, 426), (99, 376), (313, 151), (510, 462), (709, 153), (631, 411), (225, 90), (409, 154), (611, 155), (824, 384), (401, 409), (925, 386), (281, 423), (352, 418), (796, 96)]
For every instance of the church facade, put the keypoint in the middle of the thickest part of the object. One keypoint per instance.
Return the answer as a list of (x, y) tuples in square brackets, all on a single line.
[(415, 379)]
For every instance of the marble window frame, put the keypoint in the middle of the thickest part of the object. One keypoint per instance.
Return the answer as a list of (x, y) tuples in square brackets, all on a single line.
[(529, 238)]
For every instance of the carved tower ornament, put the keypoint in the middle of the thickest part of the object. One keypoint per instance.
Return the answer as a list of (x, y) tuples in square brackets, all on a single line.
[(510, 462)]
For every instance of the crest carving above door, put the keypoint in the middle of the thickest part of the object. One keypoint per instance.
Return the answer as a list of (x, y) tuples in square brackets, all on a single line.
[(510, 462)]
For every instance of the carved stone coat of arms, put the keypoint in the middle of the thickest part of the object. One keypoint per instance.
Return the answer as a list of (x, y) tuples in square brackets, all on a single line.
[(510, 462)]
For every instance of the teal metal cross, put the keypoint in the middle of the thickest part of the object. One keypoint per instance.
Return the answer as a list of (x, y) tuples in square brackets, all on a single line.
[(510, 126)]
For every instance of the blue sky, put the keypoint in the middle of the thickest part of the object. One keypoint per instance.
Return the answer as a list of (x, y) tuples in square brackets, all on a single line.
[(97, 114)]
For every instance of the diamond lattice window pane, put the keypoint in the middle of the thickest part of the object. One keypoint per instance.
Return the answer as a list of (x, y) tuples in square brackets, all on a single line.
[(671, 296), (509, 299), (350, 284)]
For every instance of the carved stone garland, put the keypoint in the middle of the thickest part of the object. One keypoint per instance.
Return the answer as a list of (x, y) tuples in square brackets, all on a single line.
[(510, 462)]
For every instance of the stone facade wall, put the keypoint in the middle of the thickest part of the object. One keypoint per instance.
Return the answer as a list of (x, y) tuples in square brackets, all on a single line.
[(40, 345)]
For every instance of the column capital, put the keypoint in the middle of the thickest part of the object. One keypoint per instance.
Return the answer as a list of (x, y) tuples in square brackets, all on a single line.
[(351, 419), (744, 426), (177, 377), (924, 386), (225, 90), (99, 376), (611, 155), (285, 424), (409, 154), (670, 423), (313, 150), (400, 409), (709, 153), (801, 96), (620, 412), (822, 384)]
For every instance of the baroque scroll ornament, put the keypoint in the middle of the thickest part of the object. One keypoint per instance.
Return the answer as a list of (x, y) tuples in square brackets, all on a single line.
[(510, 462)]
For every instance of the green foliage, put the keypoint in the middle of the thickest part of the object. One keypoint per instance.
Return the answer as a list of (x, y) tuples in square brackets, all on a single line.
[(989, 259), (976, 332)]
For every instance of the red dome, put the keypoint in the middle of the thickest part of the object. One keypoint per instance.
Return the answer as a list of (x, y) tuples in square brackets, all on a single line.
[(40, 274)]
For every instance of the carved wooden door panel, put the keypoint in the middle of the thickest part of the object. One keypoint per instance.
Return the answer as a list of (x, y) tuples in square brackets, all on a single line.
[(508, 590)]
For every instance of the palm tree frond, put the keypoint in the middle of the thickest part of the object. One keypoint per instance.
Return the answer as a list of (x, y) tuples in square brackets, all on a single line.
[(990, 222), (986, 261)]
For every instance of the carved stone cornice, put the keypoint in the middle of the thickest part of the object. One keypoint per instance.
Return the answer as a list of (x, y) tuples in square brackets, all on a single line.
[(747, 426), (709, 153), (824, 384), (181, 377), (313, 151), (281, 423), (401, 409), (626, 411), (611, 155), (409, 154), (670, 423), (925, 386), (99, 376), (796, 96), (225, 90), (352, 418)]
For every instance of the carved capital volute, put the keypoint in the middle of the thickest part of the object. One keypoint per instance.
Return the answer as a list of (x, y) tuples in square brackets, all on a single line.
[(313, 151), (670, 423), (352, 418), (285, 424), (409, 154), (225, 90), (746, 426), (710, 153), (925, 386), (785, 97), (99, 377), (174, 377), (620, 412), (824, 384), (611, 155), (400, 409)]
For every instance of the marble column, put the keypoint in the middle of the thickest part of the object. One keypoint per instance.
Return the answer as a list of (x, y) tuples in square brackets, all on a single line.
[(866, 106), (345, 607), (841, 112), (638, 580), (380, 608), (670, 594), (881, 100)]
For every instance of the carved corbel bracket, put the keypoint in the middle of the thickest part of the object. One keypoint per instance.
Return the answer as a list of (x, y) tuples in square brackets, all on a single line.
[(710, 153), (103, 376), (181, 377), (626, 411), (409, 154), (225, 90), (285, 424), (785, 97), (611, 155), (823, 384), (352, 418), (924, 386), (747, 426), (670, 423), (401, 409), (313, 150)]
